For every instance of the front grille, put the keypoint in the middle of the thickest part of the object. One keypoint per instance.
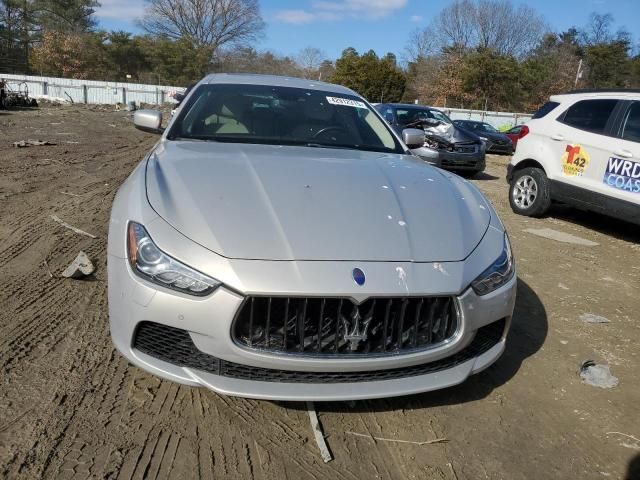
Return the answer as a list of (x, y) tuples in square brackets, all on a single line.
[(466, 148), (175, 346), (336, 326), (459, 163)]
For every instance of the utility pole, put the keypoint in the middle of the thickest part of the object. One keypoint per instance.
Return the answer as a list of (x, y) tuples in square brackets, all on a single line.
[(578, 74)]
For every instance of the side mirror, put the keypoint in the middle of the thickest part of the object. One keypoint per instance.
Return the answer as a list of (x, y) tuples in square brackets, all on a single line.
[(413, 137), (388, 117), (149, 121)]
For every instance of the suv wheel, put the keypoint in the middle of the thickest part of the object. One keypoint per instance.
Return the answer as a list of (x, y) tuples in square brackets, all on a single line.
[(529, 192)]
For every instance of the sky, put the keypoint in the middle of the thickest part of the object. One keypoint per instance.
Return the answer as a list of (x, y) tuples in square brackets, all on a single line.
[(381, 25)]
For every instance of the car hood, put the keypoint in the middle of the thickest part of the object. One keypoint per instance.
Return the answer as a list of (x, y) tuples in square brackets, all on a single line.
[(451, 134), (300, 203)]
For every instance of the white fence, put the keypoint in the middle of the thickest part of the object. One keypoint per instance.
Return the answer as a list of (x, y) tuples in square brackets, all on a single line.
[(97, 92), (90, 91), (497, 119)]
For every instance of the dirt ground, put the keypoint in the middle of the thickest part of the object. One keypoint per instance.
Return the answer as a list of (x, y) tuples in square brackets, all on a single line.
[(71, 407)]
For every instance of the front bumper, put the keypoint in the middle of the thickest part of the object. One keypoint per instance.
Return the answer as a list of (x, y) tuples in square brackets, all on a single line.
[(208, 322), (453, 160), (503, 149)]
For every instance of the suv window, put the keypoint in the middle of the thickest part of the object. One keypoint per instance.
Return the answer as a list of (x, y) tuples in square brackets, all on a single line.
[(544, 109), (631, 123), (590, 115)]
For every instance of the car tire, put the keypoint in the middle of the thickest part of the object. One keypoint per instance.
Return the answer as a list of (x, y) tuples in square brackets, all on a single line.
[(529, 192)]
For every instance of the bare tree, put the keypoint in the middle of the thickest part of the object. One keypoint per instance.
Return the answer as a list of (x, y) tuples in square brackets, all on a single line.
[(309, 60), (206, 23), (493, 24), (421, 44), (506, 29), (455, 25), (598, 30)]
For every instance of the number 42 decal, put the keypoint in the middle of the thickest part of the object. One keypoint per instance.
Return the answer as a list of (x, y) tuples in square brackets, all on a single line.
[(573, 155), (574, 160)]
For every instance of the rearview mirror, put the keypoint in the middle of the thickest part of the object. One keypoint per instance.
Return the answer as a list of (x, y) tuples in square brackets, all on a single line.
[(413, 137), (148, 121)]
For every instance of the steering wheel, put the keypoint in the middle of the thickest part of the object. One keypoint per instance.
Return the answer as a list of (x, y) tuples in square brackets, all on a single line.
[(324, 130)]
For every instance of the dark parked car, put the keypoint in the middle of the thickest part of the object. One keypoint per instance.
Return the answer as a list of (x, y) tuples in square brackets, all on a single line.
[(446, 145), (495, 141), (516, 133)]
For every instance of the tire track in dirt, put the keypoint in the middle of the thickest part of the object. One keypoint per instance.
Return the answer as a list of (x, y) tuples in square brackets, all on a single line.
[(76, 360)]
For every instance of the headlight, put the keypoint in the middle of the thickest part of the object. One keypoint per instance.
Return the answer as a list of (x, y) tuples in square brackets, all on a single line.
[(484, 139), (148, 261), (499, 273)]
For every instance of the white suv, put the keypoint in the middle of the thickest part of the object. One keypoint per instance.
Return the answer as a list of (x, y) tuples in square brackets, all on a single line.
[(581, 148)]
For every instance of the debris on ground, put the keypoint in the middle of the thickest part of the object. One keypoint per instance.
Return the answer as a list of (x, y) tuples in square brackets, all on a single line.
[(52, 99), (591, 318), (597, 375), (636, 441), (80, 267), (371, 437), (46, 265), (31, 143), (558, 236), (71, 227), (317, 433), (453, 471)]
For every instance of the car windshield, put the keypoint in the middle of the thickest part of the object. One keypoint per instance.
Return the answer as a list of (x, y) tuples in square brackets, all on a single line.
[(274, 115), (485, 127), (409, 115)]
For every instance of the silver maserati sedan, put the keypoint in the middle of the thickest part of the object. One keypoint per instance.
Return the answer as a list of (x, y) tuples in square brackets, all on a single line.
[(280, 242)]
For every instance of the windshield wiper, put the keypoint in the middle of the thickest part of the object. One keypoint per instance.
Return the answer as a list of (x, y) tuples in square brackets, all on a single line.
[(199, 138), (277, 141), (326, 145)]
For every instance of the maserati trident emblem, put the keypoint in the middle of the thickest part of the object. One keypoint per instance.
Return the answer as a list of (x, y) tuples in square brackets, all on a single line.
[(356, 328), (358, 276)]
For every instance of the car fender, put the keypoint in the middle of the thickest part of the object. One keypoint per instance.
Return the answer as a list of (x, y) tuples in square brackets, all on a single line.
[(534, 150)]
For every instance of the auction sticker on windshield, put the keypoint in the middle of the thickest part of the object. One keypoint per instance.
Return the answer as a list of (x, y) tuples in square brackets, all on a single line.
[(347, 102)]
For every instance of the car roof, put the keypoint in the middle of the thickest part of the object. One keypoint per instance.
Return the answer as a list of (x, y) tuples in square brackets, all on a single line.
[(276, 81), (406, 105), (622, 93)]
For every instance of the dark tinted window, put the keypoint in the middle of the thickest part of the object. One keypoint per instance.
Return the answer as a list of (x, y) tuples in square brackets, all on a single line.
[(485, 127), (590, 115), (544, 109), (386, 112), (410, 115), (631, 123)]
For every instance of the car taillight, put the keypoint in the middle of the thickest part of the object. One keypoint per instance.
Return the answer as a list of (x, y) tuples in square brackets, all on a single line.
[(524, 130)]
